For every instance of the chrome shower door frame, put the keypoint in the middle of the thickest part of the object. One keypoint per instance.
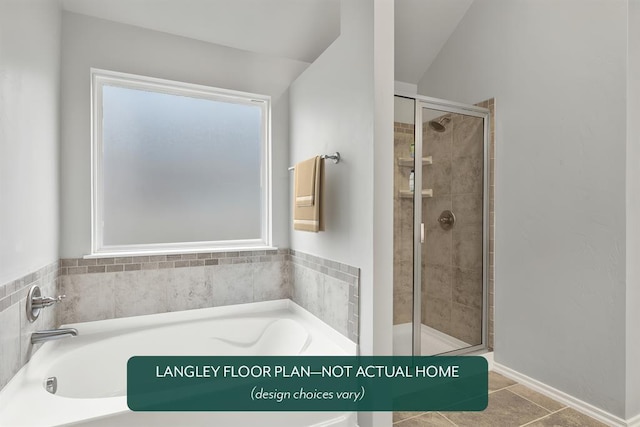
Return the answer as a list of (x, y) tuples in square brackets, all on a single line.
[(468, 110)]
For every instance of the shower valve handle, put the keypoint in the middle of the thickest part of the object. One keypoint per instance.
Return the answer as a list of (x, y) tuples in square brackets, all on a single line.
[(447, 219), (36, 302), (41, 302)]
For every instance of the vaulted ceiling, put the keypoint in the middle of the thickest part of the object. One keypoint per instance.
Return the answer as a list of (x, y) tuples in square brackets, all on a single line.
[(294, 29)]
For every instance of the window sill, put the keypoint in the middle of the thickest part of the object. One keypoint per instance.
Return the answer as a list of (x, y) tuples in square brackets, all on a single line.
[(107, 254)]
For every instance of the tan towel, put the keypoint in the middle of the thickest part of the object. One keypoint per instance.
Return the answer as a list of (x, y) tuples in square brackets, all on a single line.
[(309, 218), (305, 177)]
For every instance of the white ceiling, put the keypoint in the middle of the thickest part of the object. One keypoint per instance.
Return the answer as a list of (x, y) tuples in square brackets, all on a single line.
[(421, 29), (295, 29)]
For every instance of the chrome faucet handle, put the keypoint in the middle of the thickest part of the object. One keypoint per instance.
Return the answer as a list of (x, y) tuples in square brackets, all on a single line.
[(36, 302), (41, 302)]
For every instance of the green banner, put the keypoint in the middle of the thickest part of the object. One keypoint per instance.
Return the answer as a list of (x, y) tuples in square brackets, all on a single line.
[(307, 383)]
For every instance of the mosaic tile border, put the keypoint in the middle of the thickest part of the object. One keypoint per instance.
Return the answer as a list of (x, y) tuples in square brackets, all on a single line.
[(342, 272), (14, 291), (69, 266), (334, 269)]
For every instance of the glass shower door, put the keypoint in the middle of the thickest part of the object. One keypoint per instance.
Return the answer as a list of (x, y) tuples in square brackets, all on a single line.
[(403, 295), (452, 212), (440, 227), (452, 254)]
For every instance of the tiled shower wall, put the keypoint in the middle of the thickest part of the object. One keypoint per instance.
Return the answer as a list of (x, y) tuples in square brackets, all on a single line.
[(452, 286), (107, 288), (15, 329), (452, 262), (402, 228)]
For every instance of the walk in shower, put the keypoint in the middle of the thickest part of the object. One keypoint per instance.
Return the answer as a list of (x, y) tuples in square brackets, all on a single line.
[(440, 226)]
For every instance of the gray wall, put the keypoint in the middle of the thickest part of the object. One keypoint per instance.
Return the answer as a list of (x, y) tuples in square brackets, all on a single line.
[(331, 109), (560, 192), (344, 102), (90, 42), (633, 211), (29, 135), (29, 138)]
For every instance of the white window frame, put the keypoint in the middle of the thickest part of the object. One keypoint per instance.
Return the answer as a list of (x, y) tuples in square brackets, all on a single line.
[(100, 78)]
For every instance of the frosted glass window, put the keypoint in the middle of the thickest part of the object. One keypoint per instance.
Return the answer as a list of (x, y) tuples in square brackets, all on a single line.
[(179, 168)]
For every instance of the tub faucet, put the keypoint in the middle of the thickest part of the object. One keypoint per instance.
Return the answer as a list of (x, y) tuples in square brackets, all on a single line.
[(36, 302), (52, 334)]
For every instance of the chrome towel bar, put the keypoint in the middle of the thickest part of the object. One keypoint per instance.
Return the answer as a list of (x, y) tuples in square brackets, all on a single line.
[(335, 157)]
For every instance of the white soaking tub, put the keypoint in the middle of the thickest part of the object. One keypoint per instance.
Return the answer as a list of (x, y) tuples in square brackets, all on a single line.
[(91, 368)]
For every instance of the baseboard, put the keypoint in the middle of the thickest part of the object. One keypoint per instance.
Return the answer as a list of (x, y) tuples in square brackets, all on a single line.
[(489, 356), (562, 397), (634, 422)]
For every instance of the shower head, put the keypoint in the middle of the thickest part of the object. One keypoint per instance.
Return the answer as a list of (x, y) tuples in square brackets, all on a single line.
[(438, 125)]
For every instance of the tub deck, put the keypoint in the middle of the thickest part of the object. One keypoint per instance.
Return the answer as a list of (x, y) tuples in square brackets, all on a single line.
[(91, 368)]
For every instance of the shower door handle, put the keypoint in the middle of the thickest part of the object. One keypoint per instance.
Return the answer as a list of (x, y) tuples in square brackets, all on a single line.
[(422, 232)]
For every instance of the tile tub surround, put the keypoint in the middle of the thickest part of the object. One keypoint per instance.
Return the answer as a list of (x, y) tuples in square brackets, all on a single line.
[(15, 329), (107, 288), (328, 289)]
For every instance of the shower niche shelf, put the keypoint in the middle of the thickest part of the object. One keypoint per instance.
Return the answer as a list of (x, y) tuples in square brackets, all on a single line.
[(406, 194), (409, 161)]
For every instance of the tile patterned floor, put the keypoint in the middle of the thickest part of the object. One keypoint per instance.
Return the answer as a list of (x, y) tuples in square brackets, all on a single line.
[(510, 405)]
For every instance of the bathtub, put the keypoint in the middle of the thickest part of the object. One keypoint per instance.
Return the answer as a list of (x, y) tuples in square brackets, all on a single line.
[(91, 368)]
